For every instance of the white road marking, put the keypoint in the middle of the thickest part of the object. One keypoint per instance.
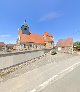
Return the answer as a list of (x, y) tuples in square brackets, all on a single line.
[(55, 77)]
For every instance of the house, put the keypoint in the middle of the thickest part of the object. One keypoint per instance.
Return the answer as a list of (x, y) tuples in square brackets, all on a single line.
[(65, 45), (28, 40), (2, 45), (48, 39), (10, 46)]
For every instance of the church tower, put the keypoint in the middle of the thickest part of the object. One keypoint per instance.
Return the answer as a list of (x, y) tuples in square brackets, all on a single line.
[(25, 28)]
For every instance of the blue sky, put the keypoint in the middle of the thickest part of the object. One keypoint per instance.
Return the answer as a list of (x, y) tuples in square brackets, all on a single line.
[(59, 17)]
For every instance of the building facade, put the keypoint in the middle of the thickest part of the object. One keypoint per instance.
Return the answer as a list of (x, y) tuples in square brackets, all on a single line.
[(27, 40), (2, 45)]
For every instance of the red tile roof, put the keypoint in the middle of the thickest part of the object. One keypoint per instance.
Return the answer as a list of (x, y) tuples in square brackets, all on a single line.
[(50, 35), (66, 42), (48, 40), (37, 38), (2, 44), (34, 38), (25, 38), (46, 33)]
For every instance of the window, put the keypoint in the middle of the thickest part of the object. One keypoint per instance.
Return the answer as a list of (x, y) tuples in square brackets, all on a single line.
[(25, 28)]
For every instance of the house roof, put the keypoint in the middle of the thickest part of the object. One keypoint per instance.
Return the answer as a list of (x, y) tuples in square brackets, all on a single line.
[(48, 40), (50, 35), (10, 45), (34, 38), (2, 44), (37, 38), (25, 38), (66, 42), (46, 33)]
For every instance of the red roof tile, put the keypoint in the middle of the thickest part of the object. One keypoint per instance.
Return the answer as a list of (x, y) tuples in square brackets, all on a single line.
[(2, 44), (46, 33), (48, 40), (25, 38), (50, 35), (35, 38), (66, 42)]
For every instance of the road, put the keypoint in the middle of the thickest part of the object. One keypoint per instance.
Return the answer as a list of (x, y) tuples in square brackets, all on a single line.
[(43, 77), (69, 83)]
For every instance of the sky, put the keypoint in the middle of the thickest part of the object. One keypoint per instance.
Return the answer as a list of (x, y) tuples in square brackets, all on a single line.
[(61, 18)]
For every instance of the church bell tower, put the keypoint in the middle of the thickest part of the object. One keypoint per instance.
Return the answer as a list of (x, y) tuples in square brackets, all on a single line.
[(25, 28)]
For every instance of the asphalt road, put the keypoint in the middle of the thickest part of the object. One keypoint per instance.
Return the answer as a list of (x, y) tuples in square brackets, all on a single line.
[(69, 83)]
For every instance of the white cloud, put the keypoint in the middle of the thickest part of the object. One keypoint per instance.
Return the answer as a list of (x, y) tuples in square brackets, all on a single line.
[(5, 36), (49, 16), (8, 38)]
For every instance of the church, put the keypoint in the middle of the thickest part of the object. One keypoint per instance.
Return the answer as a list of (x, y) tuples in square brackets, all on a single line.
[(30, 41)]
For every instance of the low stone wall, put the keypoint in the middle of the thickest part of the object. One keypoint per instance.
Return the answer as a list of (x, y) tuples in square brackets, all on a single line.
[(11, 59), (8, 70)]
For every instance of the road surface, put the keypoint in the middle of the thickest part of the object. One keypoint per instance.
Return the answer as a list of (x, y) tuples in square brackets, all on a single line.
[(69, 83)]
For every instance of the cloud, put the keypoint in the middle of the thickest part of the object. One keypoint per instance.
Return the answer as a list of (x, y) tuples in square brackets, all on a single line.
[(8, 38), (5, 36), (49, 16)]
